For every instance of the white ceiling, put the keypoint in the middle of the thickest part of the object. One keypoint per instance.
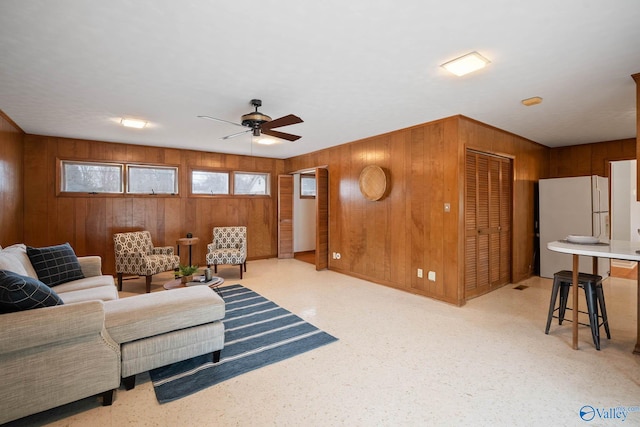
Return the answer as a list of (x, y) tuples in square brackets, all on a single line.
[(350, 69)]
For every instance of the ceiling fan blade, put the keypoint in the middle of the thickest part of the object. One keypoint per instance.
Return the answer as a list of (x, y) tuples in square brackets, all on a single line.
[(281, 135), (233, 135), (282, 121), (219, 120)]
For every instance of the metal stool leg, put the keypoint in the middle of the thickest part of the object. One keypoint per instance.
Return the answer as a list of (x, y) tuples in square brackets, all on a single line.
[(552, 303), (603, 309), (564, 297), (592, 309)]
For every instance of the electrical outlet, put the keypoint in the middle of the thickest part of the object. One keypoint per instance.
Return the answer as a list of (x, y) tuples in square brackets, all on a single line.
[(420, 273), (338, 255), (432, 276)]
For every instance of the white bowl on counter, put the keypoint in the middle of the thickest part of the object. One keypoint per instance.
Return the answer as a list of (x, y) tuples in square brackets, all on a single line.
[(585, 240)]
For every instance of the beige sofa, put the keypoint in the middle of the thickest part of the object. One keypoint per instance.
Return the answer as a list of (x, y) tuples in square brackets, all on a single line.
[(55, 355)]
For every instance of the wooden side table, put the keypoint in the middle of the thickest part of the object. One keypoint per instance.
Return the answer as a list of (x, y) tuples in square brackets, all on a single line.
[(187, 241)]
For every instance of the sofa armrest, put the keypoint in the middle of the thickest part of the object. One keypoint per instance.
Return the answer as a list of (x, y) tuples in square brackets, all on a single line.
[(91, 265), (48, 325), (162, 250)]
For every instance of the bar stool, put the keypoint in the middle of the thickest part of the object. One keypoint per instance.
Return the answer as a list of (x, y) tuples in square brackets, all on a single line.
[(592, 285)]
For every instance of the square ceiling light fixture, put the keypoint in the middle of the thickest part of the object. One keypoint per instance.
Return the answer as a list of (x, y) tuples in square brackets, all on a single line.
[(133, 123), (466, 64)]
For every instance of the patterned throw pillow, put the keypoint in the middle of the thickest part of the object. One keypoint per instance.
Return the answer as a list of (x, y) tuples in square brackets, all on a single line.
[(19, 293), (55, 264)]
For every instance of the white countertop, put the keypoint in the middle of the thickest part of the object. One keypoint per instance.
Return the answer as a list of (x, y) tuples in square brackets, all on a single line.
[(618, 249)]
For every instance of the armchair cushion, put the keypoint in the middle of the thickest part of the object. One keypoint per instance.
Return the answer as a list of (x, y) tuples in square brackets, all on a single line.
[(135, 254), (229, 246), (18, 293), (55, 264), (164, 250)]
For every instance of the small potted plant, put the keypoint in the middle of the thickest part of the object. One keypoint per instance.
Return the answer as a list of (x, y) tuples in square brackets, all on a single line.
[(186, 272)]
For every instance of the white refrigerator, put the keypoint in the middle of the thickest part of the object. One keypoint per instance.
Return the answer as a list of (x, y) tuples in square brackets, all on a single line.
[(578, 206)]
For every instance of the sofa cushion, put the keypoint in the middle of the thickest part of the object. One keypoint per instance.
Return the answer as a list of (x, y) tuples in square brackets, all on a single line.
[(19, 293), (14, 258), (101, 293), (86, 283), (55, 264)]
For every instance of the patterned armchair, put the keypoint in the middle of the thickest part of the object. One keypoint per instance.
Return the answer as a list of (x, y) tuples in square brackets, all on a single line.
[(229, 247), (135, 254)]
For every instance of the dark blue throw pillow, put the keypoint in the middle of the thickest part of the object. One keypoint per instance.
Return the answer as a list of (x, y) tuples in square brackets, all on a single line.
[(19, 293), (55, 264)]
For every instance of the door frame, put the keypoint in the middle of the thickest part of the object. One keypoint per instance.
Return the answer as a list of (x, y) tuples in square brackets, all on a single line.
[(322, 215)]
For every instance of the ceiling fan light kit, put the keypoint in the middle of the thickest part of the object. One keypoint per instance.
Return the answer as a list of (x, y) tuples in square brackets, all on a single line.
[(259, 123), (133, 123)]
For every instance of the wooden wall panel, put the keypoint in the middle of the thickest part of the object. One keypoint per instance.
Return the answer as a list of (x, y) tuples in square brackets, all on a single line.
[(88, 223), (384, 241), (388, 240), (589, 159), (636, 78), (11, 182), (529, 165)]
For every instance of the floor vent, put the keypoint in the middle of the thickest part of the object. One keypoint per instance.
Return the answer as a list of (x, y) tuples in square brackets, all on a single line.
[(521, 287)]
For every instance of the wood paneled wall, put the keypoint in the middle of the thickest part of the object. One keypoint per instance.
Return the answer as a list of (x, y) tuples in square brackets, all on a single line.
[(384, 241), (636, 78), (11, 182), (589, 159), (388, 240), (88, 223)]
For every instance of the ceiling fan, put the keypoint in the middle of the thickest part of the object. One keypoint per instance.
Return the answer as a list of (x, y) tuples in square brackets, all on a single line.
[(261, 123)]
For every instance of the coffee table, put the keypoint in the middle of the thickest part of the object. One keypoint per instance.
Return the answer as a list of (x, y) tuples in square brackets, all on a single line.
[(197, 281)]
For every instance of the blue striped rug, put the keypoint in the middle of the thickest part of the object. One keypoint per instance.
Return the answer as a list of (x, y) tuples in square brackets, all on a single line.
[(258, 333)]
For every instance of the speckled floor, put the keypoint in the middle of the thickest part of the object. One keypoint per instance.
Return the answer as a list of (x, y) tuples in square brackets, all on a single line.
[(402, 359)]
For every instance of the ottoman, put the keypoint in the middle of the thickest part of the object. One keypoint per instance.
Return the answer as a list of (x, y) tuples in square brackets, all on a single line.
[(161, 328)]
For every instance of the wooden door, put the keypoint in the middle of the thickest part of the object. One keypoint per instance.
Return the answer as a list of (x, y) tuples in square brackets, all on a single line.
[(322, 218), (285, 216), (488, 196)]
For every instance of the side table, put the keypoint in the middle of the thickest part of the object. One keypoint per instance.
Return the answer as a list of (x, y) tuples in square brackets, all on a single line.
[(187, 241)]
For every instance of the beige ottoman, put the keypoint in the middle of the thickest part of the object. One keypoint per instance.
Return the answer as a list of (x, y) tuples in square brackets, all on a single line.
[(161, 328)]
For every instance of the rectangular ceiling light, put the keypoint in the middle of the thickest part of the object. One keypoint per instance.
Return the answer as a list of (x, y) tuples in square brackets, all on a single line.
[(133, 123), (466, 64)]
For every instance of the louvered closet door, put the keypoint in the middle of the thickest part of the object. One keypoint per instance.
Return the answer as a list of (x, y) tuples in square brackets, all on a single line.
[(487, 223)]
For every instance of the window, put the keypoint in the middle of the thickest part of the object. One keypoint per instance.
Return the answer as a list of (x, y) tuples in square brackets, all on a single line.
[(307, 186), (250, 183), (85, 177), (204, 182), (152, 179)]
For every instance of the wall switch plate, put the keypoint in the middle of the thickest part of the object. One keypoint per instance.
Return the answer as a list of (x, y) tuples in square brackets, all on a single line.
[(420, 273), (432, 276)]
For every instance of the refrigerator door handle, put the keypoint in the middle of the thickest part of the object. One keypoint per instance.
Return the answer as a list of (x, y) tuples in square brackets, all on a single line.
[(597, 224)]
